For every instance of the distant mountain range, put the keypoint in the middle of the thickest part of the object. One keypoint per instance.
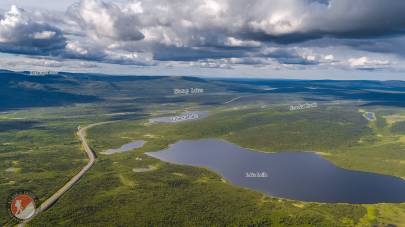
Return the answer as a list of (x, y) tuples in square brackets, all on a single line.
[(20, 90)]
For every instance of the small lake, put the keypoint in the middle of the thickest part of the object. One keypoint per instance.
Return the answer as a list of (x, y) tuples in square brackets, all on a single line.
[(370, 116), (187, 116), (301, 176), (126, 147)]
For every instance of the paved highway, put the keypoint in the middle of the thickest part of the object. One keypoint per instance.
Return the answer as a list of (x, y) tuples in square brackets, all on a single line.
[(81, 133)]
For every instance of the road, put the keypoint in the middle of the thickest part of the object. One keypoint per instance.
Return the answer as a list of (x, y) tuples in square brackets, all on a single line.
[(234, 99), (81, 133)]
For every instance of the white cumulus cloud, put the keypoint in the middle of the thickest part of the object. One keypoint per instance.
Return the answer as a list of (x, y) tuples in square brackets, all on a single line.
[(20, 33), (367, 63)]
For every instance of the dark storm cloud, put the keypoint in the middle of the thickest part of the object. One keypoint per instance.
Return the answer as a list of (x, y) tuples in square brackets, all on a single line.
[(393, 45), (287, 22)]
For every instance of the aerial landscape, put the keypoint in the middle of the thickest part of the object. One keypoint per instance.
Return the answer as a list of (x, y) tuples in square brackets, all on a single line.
[(202, 113)]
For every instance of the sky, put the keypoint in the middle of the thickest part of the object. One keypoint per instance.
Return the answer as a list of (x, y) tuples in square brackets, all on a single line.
[(294, 39)]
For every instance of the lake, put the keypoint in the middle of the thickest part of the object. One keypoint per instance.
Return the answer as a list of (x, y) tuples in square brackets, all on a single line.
[(303, 176), (370, 116)]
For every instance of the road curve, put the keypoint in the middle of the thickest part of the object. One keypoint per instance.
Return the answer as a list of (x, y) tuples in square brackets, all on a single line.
[(81, 133)]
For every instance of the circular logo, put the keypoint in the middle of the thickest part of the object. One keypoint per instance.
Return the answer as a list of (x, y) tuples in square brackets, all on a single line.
[(22, 206)]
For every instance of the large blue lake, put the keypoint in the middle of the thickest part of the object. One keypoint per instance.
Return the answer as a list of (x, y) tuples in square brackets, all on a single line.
[(294, 175)]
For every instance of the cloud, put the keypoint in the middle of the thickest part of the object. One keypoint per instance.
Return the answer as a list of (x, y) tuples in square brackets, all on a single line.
[(101, 20), (364, 63), (202, 29), (93, 52), (329, 57), (290, 56), (234, 42), (393, 45), (297, 20), (47, 63), (211, 33), (20, 33), (218, 64)]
